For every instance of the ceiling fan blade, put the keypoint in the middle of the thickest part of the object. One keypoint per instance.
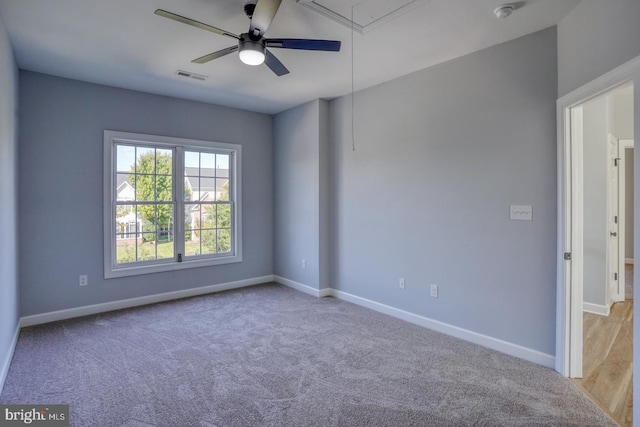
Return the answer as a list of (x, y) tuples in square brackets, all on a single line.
[(193, 23), (215, 55), (262, 16), (274, 64), (304, 44)]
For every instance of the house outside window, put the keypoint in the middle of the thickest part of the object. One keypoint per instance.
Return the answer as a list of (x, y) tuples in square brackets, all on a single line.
[(170, 203)]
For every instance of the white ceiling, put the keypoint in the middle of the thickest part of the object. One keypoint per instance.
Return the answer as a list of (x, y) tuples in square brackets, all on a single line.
[(122, 43)]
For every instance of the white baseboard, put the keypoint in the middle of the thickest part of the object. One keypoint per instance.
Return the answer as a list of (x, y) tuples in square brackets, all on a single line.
[(6, 363), (506, 347), (300, 287), (602, 310), (628, 260), (326, 292), (134, 302)]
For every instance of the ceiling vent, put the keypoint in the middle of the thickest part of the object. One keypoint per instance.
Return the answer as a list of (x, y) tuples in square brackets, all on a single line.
[(361, 16), (191, 75)]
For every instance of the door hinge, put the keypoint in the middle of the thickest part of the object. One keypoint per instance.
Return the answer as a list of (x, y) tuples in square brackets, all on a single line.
[(615, 276), (615, 161), (567, 256)]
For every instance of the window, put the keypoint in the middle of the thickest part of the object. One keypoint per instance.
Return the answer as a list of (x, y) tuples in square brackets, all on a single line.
[(170, 203)]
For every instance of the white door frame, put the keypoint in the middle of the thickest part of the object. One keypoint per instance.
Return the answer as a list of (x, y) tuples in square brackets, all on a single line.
[(623, 145), (614, 290), (568, 360)]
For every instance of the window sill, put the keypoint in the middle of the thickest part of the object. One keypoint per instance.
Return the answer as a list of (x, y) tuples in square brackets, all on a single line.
[(135, 270)]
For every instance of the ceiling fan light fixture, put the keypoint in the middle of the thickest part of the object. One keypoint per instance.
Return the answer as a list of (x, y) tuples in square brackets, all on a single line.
[(251, 52)]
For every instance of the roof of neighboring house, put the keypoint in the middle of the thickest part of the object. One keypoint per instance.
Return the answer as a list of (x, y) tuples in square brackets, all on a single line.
[(191, 173), (122, 183), (207, 172), (207, 183)]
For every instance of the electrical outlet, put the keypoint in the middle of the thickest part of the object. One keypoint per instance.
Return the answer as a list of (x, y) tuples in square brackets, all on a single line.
[(304, 264), (401, 282), (434, 291), (84, 280)]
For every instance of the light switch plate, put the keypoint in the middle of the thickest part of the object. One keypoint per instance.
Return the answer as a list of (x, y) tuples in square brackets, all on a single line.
[(521, 213)]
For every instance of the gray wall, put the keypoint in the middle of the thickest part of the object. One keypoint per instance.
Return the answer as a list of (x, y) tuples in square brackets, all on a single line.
[(301, 184), (595, 155), (60, 185), (9, 305), (596, 37), (440, 155)]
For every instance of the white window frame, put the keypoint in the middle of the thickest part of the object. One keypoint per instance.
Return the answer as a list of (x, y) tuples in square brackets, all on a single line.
[(179, 145)]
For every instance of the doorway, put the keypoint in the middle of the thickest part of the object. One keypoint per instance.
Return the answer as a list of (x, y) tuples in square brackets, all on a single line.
[(594, 134)]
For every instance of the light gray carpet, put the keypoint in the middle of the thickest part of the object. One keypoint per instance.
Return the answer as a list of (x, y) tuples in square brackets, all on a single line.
[(268, 355)]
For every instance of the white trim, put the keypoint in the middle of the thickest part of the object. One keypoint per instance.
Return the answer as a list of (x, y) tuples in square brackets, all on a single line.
[(563, 268), (614, 289), (602, 310), (576, 196), (53, 316), (628, 261), (506, 347), (568, 291), (623, 146), (309, 290), (327, 292), (617, 77), (6, 363)]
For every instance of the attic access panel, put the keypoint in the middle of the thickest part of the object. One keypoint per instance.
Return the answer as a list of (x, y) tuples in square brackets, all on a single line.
[(367, 15)]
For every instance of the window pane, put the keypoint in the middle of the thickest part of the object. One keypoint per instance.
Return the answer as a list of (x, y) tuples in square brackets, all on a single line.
[(195, 216), (208, 216), (224, 240), (125, 251), (192, 160), (125, 158), (208, 242), (165, 247), (164, 188), (194, 184), (223, 218), (145, 185), (188, 215), (222, 165), (207, 189), (222, 190), (164, 161), (188, 191), (191, 242), (145, 160), (165, 222), (125, 190), (147, 214), (207, 164), (146, 247)]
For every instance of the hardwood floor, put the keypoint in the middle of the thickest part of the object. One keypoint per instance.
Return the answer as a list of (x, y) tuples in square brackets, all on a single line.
[(608, 360)]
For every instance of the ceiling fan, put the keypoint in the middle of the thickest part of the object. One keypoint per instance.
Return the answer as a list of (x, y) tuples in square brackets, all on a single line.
[(252, 45)]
